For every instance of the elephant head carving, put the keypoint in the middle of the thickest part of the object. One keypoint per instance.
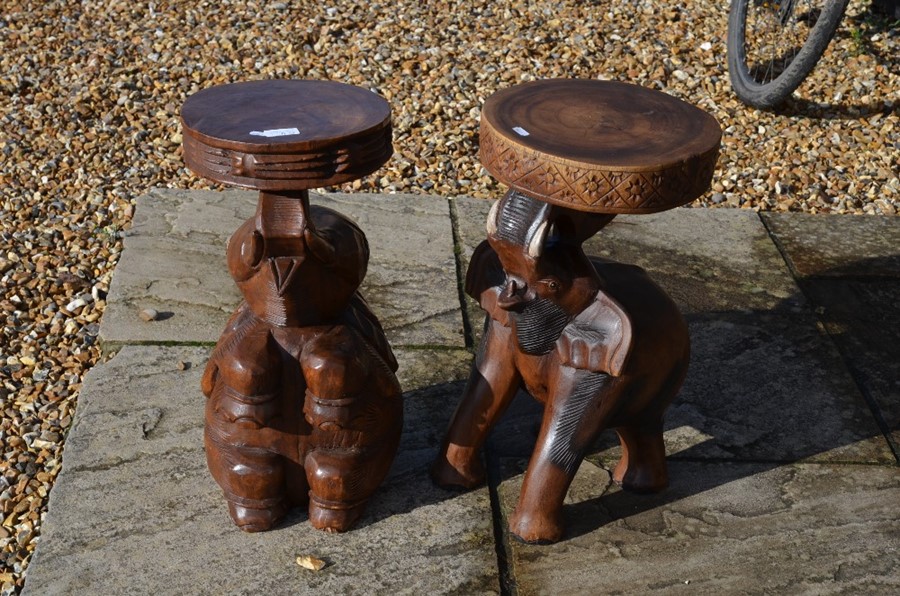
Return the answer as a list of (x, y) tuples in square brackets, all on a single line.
[(533, 276), (279, 257)]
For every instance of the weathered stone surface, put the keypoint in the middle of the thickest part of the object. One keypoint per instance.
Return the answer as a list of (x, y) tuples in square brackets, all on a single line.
[(720, 528), (135, 510), (174, 262), (850, 270), (835, 246), (863, 319), (770, 387), (707, 260)]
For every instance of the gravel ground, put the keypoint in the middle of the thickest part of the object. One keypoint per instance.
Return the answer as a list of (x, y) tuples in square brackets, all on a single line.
[(89, 100)]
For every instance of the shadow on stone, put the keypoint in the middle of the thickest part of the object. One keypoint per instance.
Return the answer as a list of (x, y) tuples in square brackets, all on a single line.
[(766, 388)]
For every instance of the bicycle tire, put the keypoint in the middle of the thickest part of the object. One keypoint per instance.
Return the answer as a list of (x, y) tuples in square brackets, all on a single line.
[(769, 93)]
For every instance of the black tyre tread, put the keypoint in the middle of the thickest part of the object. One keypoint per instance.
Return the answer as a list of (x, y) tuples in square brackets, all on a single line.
[(771, 94)]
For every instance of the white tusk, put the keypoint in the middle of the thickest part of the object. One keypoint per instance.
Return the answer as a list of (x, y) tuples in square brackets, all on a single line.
[(492, 218), (536, 246)]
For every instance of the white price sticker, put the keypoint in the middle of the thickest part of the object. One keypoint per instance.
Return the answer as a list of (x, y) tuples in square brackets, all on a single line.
[(275, 132)]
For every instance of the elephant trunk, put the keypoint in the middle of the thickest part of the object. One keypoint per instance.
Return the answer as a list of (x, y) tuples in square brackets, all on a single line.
[(515, 295)]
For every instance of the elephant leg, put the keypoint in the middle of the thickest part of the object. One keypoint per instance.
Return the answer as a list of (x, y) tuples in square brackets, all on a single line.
[(576, 412), (642, 467), (243, 457), (346, 466), (242, 408), (492, 384), (252, 480), (339, 489), (354, 408)]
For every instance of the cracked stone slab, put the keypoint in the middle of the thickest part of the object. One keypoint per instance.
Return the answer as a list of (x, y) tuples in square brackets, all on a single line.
[(849, 267), (720, 528), (136, 511), (173, 261), (863, 319), (838, 246)]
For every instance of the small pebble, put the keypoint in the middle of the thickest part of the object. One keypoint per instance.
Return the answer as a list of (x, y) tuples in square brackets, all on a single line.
[(182, 365), (149, 314), (311, 563)]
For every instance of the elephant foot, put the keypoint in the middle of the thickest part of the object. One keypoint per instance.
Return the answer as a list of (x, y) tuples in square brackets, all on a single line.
[(334, 518), (642, 468), (640, 479), (536, 527), (250, 519), (458, 468)]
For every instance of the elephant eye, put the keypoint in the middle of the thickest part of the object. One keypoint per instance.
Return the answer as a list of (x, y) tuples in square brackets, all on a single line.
[(553, 285)]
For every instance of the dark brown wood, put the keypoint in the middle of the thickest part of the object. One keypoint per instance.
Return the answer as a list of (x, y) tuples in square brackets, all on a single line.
[(303, 405), (599, 146), (242, 134), (597, 342)]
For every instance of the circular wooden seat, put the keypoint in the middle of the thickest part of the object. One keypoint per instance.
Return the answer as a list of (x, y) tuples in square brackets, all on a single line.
[(286, 135), (599, 146)]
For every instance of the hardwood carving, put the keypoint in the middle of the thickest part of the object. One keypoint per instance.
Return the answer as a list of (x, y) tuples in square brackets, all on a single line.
[(635, 150), (597, 342), (303, 407)]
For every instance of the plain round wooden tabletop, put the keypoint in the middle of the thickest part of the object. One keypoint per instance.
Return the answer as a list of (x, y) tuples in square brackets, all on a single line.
[(285, 134), (599, 146)]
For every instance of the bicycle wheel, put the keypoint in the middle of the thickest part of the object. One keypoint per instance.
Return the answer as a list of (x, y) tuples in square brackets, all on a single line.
[(774, 44)]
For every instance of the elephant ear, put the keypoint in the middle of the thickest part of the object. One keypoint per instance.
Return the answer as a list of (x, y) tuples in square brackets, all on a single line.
[(484, 281), (599, 339)]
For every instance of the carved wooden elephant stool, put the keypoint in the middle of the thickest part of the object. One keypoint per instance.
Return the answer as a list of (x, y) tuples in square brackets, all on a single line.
[(597, 342), (303, 405)]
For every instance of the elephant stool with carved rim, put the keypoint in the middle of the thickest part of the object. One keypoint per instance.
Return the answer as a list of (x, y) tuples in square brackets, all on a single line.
[(303, 405), (597, 342)]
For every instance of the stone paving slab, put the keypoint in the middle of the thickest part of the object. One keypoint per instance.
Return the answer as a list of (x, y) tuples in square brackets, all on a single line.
[(838, 246), (782, 479), (136, 512), (863, 319), (849, 267), (174, 262), (720, 528)]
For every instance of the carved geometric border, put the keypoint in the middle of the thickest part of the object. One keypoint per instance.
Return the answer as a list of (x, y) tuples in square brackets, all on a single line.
[(597, 190)]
